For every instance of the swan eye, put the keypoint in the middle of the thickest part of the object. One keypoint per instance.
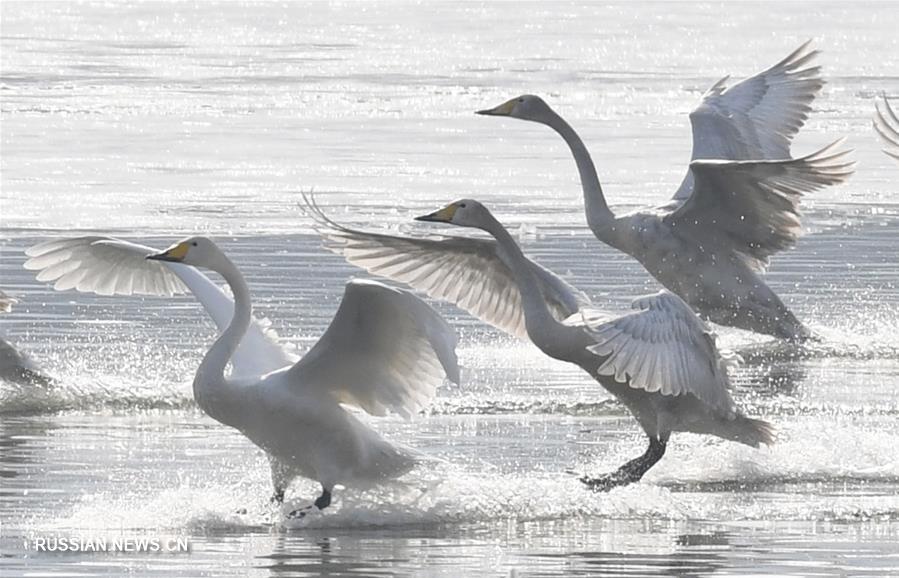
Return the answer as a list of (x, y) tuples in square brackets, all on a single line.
[(520, 100), (461, 205), (194, 243)]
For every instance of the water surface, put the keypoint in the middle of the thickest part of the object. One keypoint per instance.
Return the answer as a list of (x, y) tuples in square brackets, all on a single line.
[(156, 121)]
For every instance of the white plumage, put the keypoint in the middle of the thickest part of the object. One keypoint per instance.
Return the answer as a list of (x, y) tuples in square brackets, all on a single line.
[(752, 207), (110, 266), (758, 117), (468, 272), (660, 361), (738, 204), (663, 347), (886, 123), (102, 265), (15, 366), (384, 350)]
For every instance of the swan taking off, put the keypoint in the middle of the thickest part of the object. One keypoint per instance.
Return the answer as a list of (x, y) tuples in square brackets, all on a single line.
[(886, 123), (384, 350), (711, 243), (659, 361)]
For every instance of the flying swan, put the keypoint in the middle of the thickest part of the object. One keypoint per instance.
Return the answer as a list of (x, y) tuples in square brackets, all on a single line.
[(660, 361), (384, 350), (711, 243)]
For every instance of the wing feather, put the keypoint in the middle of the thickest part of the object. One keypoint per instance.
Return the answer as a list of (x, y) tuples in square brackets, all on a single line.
[(663, 347), (752, 207), (470, 273), (110, 266), (886, 123), (384, 350), (756, 118)]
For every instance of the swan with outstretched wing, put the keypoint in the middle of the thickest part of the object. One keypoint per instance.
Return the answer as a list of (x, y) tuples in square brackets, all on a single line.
[(385, 350), (738, 204), (660, 360)]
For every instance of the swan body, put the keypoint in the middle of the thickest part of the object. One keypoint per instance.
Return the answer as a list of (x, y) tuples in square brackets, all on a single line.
[(736, 207), (660, 361), (385, 350), (15, 366)]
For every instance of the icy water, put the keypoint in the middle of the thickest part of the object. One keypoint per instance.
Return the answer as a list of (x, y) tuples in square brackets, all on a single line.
[(162, 120)]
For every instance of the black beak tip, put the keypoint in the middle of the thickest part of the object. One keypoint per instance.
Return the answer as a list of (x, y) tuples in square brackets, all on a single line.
[(424, 218), (485, 112)]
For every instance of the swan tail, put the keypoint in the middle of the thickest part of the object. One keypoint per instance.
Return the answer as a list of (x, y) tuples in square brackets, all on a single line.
[(749, 431)]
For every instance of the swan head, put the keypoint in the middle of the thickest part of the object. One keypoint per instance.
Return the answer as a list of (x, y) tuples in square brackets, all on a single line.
[(196, 251), (463, 213), (525, 107)]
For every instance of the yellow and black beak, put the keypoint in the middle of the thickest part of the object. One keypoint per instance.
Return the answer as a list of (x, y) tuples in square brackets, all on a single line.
[(505, 109), (174, 254), (444, 215)]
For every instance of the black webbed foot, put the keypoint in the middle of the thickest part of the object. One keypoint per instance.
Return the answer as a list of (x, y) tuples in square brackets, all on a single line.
[(299, 513), (324, 500), (321, 503), (606, 482), (630, 472)]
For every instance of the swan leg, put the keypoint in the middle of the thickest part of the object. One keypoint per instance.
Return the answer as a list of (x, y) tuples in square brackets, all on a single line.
[(633, 470), (321, 503), (324, 500), (280, 479)]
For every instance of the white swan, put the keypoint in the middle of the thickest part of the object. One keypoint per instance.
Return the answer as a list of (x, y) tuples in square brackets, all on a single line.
[(384, 350), (660, 361), (712, 242), (15, 366), (886, 123)]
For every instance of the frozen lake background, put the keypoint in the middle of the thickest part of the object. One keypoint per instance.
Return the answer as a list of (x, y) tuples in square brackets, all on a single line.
[(157, 121)]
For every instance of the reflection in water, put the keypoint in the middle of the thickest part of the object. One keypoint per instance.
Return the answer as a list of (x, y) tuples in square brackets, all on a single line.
[(22, 443), (317, 555)]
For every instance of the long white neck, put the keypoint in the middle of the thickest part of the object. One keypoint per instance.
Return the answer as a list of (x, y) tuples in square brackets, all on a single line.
[(543, 329), (599, 217), (214, 393)]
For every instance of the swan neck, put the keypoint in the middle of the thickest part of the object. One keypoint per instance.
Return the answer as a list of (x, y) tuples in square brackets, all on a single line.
[(599, 216), (542, 328), (214, 392)]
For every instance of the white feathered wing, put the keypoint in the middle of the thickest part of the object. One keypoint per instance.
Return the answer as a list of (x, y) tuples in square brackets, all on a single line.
[(756, 118), (110, 266)]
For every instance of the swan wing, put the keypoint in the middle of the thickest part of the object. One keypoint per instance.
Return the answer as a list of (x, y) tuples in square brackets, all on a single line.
[(385, 350), (663, 347), (469, 273), (752, 207), (102, 265), (6, 302), (756, 118), (886, 123), (110, 266)]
